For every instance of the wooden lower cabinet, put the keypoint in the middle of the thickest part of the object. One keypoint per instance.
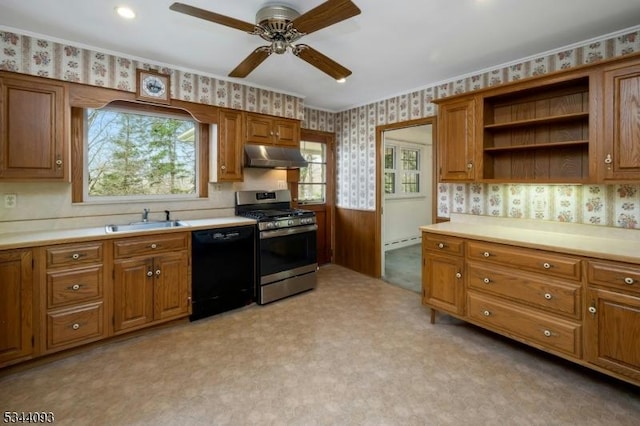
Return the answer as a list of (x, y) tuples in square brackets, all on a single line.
[(150, 289), (583, 309), (16, 306)]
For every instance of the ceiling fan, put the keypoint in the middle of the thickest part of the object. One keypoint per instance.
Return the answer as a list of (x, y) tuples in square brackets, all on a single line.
[(283, 26)]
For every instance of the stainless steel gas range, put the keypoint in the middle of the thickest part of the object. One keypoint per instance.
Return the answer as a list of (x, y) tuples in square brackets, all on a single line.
[(286, 250)]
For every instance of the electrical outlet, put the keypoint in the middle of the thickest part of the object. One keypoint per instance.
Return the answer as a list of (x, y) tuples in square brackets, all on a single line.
[(282, 184), (10, 201), (217, 187)]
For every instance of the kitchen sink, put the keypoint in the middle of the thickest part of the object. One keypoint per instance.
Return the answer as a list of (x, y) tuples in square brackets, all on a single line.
[(143, 226)]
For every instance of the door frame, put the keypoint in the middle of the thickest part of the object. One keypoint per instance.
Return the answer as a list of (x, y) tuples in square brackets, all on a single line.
[(379, 187), (293, 176)]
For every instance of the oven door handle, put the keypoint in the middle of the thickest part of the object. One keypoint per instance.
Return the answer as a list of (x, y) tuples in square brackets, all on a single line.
[(288, 231)]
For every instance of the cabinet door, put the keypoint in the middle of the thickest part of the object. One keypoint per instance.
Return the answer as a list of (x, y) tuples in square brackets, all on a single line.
[(621, 141), (443, 283), (133, 293), (32, 129), (287, 132), (259, 129), (16, 305), (612, 325), (230, 145), (172, 286), (456, 124)]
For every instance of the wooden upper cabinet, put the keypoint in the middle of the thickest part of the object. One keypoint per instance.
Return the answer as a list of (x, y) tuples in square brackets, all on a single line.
[(621, 142), (229, 155), (33, 128), (267, 130), (456, 140)]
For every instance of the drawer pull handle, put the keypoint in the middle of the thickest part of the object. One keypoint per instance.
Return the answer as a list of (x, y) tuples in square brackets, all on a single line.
[(154, 245), (486, 254), (547, 333), (546, 265), (75, 287), (149, 273), (458, 275), (157, 272), (75, 256), (486, 313), (441, 245), (75, 326), (486, 280), (629, 281), (548, 296)]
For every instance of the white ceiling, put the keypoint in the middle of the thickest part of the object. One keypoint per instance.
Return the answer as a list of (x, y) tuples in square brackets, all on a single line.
[(393, 47)]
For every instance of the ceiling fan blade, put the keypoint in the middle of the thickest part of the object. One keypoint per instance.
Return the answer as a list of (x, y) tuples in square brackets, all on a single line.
[(250, 63), (320, 61), (324, 15), (213, 17)]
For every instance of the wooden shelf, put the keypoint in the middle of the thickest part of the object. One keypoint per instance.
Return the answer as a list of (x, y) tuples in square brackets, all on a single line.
[(540, 121), (536, 146)]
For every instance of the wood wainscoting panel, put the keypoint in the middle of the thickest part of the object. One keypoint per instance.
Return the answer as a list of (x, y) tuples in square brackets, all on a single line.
[(357, 241)]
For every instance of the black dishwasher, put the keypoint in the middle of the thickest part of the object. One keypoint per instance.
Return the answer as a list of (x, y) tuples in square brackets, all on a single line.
[(223, 270)]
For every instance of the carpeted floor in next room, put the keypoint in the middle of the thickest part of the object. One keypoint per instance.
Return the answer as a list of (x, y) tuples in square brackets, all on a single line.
[(403, 266), (354, 351)]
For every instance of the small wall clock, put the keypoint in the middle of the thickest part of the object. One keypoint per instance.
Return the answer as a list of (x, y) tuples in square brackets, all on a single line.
[(153, 87)]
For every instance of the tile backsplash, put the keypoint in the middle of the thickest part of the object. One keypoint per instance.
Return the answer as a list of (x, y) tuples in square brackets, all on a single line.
[(606, 205)]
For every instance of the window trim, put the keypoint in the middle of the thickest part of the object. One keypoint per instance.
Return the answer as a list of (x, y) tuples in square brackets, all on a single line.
[(78, 149), (326, 177), (399, 170)]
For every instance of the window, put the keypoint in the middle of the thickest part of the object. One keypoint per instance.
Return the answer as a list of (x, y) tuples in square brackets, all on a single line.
[(312, 186), (402, 169), (133, 154)]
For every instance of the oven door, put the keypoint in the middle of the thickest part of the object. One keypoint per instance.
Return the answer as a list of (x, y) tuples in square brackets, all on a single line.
[(287, 252)]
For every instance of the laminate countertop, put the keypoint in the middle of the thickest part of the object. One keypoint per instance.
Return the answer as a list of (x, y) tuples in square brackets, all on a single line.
[(585, 240), (58, 236)]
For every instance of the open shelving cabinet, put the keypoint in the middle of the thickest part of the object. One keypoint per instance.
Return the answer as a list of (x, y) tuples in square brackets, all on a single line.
[(538, 135)]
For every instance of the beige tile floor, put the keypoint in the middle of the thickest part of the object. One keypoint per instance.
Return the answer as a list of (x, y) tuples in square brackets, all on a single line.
[(355, 351)]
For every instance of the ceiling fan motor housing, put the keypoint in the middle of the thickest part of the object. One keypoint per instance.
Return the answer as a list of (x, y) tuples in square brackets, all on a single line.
[(275, 18)]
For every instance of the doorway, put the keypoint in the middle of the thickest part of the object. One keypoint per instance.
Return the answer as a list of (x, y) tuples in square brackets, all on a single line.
[(407, 199)]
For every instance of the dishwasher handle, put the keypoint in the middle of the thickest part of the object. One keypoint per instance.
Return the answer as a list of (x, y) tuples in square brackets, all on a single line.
[(222, 236)]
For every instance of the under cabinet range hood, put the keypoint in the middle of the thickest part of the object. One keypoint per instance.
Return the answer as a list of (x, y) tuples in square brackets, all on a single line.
[(273, 157)]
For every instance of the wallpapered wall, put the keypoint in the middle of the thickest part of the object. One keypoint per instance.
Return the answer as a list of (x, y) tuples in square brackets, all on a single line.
[(610, 205), (29, 55)]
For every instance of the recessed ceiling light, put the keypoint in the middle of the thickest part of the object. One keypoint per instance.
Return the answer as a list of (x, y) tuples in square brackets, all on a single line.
[(341, 80), (125, 12)]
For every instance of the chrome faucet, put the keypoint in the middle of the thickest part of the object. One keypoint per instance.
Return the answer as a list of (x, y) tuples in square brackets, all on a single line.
[(145, 215)]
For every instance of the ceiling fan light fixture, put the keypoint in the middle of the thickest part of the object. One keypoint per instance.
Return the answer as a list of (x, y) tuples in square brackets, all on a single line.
[(125, 12), (341, 80), (279, 46)]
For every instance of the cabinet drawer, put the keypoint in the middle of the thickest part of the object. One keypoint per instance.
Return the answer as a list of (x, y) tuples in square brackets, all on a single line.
[(623, 276), (67, 287), (150, 245), (554, 296), (535, 327), (74, 254), (443, 244), (73, 326), (529, 259)]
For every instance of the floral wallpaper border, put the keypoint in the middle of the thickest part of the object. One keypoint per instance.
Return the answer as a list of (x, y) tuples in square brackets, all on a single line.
[(37, 56)]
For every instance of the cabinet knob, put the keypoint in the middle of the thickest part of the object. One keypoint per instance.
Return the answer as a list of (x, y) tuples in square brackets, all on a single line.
[(157, 272), (546, 265), (486, 313), (75, 326), (75, 287), (469, 165), (486, 254), (154, 245), (458, 275), (271, 133), (149, 273), (547, 333), (629, 281), (486, 280), (608, 159), (548, 296), (58, 162), (441, 245), (75, 256), (592, 310), (223, 167)]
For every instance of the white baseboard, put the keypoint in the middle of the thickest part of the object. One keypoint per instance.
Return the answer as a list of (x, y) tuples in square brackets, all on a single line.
[(402, 242)]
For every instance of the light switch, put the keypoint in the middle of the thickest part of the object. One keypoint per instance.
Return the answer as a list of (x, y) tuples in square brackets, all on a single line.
[(10, 201)]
